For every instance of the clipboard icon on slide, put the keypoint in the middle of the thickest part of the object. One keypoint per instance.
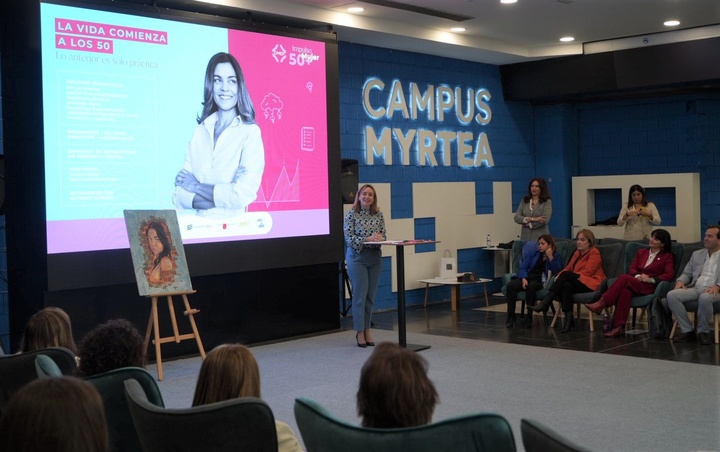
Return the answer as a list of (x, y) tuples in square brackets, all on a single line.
[(307, 138)]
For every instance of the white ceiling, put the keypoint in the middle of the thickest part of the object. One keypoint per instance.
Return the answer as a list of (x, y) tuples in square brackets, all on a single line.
[(502, 34)]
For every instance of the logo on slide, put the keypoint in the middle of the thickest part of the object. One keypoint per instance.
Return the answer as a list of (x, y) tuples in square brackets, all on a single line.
[(279, 53)]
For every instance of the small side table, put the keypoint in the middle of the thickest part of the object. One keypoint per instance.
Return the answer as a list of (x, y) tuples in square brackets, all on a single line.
[(455, 288), (503, 259)]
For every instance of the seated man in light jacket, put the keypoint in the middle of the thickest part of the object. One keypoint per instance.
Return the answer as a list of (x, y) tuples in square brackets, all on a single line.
[(699, 282)]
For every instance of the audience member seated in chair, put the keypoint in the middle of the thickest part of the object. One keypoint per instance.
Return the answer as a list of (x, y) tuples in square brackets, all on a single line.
[(110, 385), (230, 371), (699, 282), (59, 414), (111, 345), (650, 267), (49, 327), (476, 432), (18, 370), (395, 390), (582, 274), (538, 260)]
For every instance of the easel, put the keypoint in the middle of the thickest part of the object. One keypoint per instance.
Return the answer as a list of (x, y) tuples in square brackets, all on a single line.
[(176, 337)]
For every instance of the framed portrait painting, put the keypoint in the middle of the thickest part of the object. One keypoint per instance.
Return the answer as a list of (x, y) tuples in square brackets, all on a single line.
[(157, 252)]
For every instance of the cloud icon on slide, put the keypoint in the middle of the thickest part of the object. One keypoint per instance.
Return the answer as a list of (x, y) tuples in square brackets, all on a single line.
[(271, 107)]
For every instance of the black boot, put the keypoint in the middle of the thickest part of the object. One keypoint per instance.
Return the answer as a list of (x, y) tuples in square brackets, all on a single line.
[(544, 305), (510, 322), (569, 323)]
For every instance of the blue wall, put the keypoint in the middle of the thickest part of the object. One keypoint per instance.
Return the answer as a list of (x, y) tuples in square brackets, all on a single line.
[(640, 136), (510, 133)]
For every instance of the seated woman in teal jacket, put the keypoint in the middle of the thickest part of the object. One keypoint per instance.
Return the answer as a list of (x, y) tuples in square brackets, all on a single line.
[(537, 260)]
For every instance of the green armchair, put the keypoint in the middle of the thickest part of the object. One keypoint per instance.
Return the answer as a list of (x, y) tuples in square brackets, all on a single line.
[(323, 432)]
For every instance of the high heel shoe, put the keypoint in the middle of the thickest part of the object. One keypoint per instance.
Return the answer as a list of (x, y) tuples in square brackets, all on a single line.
[(368, 342), (361, 345), (597, 307), (541, 306), (569, 323), (617, 331)]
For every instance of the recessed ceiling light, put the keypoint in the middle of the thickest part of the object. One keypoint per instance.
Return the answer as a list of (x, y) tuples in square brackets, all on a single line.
[(457, 29), (567, 39), (508, 1), (356, 9), (671, 23)]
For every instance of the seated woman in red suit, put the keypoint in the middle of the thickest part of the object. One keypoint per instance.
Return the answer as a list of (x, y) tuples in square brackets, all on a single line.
[(650, 266)]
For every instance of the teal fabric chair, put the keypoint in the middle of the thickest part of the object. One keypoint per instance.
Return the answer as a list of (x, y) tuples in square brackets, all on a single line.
[(242, 424), (18, 370), (111, 386), (46, 367), (538, 438), (323, 432)]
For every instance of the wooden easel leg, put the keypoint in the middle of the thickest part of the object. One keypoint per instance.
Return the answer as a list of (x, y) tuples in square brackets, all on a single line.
[(190, 313), (176, 333), (148, 331), (158, 354)]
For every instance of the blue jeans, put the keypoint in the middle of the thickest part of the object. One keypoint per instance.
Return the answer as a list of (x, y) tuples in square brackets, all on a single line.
[(364, 272)]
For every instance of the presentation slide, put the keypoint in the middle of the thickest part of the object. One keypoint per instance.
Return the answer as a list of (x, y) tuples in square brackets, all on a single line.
[(228, 127)]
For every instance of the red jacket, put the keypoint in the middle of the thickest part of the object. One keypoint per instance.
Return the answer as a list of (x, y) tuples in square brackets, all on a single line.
[(588, 266), (662, 268)]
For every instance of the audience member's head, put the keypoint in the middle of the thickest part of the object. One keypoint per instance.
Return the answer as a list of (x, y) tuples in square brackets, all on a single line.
[(395, 390), (59, 414), (49, 327), (111, 345), (229, 371)]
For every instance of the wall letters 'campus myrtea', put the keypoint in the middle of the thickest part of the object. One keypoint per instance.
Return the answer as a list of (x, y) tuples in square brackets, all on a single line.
[(417, 146)]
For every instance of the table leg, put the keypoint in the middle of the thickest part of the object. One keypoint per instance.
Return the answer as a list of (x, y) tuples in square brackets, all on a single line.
[(400, 260), (487, 302), (454, 297), (400, 279)]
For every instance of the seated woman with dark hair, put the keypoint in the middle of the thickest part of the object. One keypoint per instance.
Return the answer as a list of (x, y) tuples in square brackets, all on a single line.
[(650, 266), (230, 371), (395, 390), (59, 414), (111, 345), (582, 274), (49, 327), (537, 260)]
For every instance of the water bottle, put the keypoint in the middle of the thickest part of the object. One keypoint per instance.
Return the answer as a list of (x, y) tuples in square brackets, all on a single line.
[(489, 241), (606, 324)]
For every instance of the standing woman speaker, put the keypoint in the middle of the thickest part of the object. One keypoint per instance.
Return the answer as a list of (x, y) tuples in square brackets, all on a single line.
[(363, 225), (534, 211)]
